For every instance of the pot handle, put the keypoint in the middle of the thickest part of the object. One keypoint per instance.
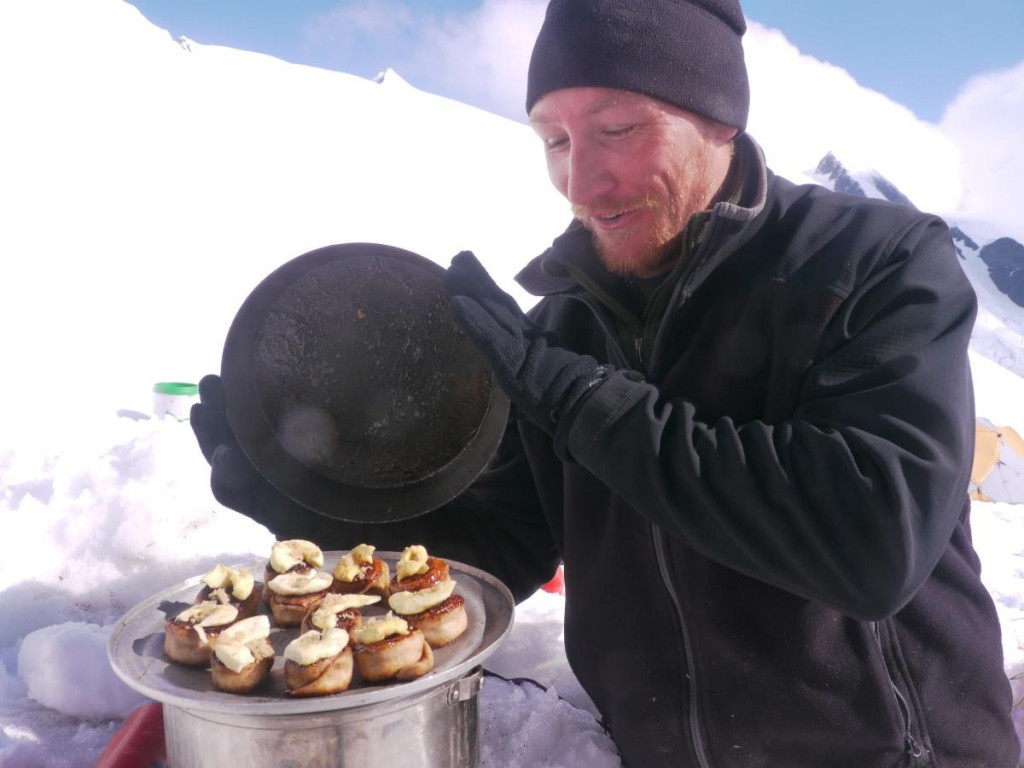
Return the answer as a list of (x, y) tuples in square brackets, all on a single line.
[(466, 688)]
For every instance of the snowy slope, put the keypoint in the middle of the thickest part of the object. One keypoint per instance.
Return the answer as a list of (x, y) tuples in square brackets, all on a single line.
[(999, 333)]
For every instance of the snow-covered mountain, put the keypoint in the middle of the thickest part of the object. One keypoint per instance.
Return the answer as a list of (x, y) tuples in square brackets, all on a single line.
[(1005, 261), (149, 177), (833, 174), (993, 262), (995, 265)]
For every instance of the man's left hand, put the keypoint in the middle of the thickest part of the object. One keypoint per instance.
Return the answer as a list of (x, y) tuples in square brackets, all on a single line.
[(545, 381)]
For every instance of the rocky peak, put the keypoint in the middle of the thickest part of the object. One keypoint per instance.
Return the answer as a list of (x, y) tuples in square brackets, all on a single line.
[(1005, 261), (869, 183)]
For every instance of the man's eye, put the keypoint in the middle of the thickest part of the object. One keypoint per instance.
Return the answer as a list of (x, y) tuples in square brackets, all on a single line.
[(618, 132), (555, 143)]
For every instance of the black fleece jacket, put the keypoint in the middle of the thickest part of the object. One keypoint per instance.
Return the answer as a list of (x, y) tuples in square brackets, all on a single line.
[(764, 520)]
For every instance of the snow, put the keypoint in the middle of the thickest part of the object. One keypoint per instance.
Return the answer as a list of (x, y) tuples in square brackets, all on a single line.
[(147, 188), (527, 725), (54, 655)]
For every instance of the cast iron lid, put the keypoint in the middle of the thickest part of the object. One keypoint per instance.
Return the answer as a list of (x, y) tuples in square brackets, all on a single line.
[(351, 389)]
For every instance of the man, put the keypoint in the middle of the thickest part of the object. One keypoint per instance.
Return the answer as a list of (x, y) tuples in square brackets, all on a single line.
[(745, 424)]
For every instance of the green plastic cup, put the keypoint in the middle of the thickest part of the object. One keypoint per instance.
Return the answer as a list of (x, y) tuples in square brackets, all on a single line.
[(174, 399)]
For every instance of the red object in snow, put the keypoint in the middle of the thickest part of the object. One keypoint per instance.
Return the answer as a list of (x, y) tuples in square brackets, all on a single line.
[(139, 742), (557, 585)]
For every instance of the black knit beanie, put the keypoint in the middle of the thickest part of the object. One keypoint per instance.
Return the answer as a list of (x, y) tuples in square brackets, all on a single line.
[(685, 52)]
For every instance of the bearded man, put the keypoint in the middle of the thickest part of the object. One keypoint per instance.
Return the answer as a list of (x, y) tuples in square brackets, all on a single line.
[(744, 423)]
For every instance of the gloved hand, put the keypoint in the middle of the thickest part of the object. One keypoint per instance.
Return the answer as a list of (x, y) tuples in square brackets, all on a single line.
[(235, 482), (543, 380)]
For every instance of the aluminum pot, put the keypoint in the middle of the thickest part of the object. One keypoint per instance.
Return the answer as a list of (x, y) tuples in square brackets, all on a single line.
[(438, 728), (429, 721)]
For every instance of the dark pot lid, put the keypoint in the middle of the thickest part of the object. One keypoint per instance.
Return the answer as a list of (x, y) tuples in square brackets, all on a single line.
[(351, 389)]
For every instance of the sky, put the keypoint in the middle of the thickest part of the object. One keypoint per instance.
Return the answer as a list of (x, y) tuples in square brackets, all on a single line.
[(146, 191), (920, 53), (957, 69)]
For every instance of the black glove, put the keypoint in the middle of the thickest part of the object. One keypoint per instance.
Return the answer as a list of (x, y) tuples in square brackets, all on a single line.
[(235, 482), (545, 382)]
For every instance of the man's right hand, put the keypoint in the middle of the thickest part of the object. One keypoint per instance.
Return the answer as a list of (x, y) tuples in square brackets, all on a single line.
[(235, 482)]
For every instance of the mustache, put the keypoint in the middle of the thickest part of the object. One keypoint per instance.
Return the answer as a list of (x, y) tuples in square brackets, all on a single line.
[(610, 207)]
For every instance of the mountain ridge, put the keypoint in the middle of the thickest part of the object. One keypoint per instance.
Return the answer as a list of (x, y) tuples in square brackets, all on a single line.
[(992, 261)]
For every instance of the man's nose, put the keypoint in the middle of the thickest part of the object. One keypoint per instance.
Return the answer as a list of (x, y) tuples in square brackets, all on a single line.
[(588, 176)]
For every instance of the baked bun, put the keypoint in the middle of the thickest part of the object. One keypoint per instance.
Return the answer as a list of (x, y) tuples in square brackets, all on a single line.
[(189, 638), (243, 656), (417, 570), (385, 649), (360, 572), (318, 663), (337, 611), (425, 597), (442, 623), (296, 593), (233, 586), (291, 556)]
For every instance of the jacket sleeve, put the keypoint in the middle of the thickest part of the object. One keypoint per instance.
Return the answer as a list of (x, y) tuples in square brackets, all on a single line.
[(496, 525), (852, 500)]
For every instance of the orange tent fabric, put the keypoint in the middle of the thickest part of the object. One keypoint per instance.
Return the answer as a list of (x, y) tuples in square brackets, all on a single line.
[(998, 470)]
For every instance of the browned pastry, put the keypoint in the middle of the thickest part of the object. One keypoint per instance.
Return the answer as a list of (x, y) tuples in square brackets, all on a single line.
[(416, 570), (386, 649), (318, 663), (296, 593), (246, 679), (291, 556), (337, 611), (347, 619), (424, 597), (243, 657), (442, 623), (233, 586), (189, 637), (361, 572)]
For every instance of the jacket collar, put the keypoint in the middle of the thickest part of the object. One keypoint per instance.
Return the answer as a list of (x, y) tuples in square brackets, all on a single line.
[(551, 272)]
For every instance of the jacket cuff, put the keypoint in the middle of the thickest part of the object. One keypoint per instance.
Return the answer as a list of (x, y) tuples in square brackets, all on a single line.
[(619, 392)]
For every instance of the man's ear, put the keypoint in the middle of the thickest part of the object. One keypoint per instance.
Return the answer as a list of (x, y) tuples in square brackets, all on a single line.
[(715, 132), (724, 133)]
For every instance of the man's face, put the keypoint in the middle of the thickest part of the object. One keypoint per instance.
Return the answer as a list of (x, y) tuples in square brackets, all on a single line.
[(634, 169)]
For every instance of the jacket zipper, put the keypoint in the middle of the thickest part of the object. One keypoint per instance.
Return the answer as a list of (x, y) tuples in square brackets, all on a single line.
[(695, 733), (912, 745), (697, 742)]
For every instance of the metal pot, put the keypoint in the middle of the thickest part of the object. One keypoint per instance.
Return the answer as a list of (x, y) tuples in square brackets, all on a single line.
[(430, 721), (435, 729)]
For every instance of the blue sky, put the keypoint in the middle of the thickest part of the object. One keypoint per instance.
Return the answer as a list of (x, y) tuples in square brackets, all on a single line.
[(917, 52)]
